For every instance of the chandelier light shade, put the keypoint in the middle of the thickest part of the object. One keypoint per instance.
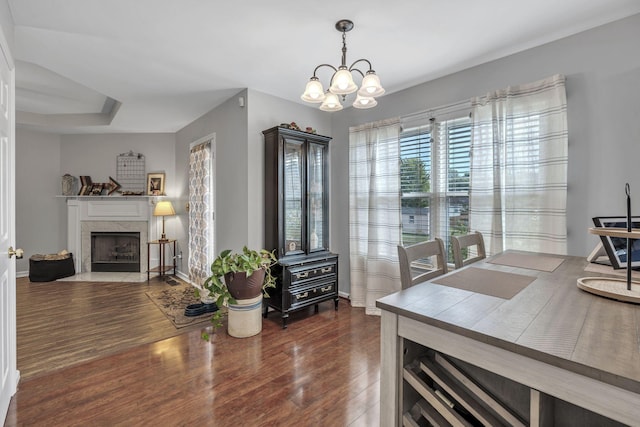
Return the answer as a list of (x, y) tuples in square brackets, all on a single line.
[(342, 83), (364, 102), (314, 91), (331, 103)]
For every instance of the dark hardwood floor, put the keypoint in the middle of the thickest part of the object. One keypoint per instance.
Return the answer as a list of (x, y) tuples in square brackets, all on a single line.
[(103, 354)]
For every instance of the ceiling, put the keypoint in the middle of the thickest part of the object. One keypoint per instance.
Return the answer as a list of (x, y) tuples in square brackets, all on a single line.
[(95, 66)]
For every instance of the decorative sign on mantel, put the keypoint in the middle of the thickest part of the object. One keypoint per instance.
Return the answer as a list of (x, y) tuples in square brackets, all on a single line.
[(131, 173)]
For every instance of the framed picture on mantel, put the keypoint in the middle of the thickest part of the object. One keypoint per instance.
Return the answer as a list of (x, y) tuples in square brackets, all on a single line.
[(155, 184)]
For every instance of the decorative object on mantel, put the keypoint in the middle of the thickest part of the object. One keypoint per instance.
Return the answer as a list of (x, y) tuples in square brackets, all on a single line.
[(85, 185), (131, 173), (68, 184), (112, 186), (155, 184), (96, 189), (612, 287), (341, 83), (163, 208)]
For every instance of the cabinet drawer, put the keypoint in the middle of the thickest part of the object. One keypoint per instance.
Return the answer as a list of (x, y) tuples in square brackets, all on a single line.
[(310, 293), (312, 271)]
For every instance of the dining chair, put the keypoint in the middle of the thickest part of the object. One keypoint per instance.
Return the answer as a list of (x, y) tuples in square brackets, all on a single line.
[(463, 242), (422, 269)]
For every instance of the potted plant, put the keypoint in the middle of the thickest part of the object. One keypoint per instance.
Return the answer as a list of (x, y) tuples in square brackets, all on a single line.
[(240, 278)]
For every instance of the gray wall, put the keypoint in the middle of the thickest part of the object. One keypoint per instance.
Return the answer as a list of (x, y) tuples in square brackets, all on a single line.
[(265, 112), (42, 159), (229, 123), (6, 23), (239, 189), (602, 67), (41, 221)]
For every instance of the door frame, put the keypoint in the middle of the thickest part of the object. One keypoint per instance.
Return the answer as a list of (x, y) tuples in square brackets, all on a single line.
[(10, 383)]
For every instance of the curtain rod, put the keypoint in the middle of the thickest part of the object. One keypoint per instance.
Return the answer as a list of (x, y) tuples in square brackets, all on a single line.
[(448, 108)]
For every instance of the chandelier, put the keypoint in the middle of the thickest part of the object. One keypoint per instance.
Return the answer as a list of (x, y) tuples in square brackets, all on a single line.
[(341, 83)]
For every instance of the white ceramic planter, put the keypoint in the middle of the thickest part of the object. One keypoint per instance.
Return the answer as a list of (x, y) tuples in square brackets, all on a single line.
[(245, 317)]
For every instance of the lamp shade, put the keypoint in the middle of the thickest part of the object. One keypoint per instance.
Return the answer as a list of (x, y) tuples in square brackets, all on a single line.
[(342, 82), (164, 208), (314, 92), (331, 103), (371, 85), (363, 102)]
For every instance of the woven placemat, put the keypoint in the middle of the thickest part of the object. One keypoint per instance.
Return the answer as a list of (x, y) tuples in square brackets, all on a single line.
[(488, 282), (530, 261)]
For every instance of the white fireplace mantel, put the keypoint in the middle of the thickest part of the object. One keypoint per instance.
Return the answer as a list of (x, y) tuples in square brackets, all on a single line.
[(109, 214)]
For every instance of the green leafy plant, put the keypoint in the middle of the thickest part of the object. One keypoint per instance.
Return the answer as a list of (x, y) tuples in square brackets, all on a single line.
[(248, 261)]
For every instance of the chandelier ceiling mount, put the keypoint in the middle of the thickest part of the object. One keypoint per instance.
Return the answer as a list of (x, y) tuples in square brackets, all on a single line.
[(341, 83)]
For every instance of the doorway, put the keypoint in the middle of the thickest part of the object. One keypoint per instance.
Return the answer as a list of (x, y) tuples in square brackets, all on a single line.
[(201, 208)]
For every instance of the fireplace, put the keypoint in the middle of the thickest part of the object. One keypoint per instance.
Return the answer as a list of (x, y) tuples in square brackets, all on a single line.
[(110, 214), (115, 251)]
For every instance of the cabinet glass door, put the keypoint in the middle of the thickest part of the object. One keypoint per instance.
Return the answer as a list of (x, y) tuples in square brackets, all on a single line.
[(293, 196), (317, 211)]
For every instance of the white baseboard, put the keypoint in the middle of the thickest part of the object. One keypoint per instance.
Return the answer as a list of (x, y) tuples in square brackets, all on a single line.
[(182, 276), (343, 295), (22, 273)]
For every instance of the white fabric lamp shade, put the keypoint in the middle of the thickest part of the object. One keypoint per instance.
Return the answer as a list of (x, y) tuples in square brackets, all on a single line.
[(164, 208)]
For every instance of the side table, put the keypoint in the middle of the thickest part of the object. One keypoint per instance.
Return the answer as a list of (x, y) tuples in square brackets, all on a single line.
[(163, 267)]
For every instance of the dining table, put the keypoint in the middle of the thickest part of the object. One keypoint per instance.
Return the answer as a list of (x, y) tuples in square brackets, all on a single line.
[(509, 340)]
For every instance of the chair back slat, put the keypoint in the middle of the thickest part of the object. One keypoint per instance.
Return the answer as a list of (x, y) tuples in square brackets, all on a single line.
[(462, 242), (409, 254)]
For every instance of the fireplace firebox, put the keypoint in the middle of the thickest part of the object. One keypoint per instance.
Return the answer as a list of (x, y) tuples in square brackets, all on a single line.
[(115, 251)]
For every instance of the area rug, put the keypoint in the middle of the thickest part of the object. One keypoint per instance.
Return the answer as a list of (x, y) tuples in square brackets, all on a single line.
[(173, 300)]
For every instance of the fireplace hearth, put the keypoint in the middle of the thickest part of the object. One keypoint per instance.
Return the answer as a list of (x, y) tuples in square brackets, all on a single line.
[(115, 251)]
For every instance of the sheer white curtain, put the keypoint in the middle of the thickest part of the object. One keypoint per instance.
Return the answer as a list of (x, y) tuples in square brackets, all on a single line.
[(374, 212), (519, 156), (200, 212)]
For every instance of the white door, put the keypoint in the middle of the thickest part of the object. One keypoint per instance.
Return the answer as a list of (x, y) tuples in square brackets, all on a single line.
[(8, 369)]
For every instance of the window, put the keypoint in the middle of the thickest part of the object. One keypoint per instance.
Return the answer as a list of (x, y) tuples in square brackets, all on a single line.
[(434, 179)]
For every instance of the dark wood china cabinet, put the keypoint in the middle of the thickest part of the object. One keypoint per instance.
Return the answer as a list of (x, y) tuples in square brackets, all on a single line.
[(297, 220)]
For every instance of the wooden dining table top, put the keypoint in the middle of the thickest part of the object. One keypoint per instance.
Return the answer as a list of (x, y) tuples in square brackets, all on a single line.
[(550, 319)]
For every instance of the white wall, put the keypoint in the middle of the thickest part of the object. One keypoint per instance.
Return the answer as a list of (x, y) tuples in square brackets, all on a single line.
[(40, 216), (602, 67)]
